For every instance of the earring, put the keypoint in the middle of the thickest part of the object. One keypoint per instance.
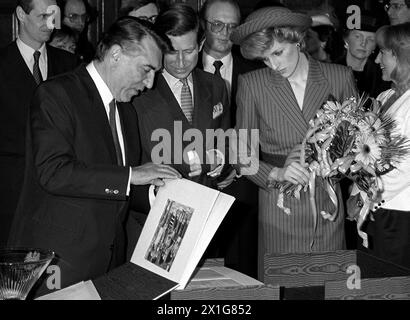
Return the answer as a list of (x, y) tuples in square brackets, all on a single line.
[(346, 45), (298, 45)]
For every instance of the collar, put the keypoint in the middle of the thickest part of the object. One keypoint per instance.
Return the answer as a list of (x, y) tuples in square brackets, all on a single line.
[(208, 61), (27, 51), (102, 87), (172, 81)]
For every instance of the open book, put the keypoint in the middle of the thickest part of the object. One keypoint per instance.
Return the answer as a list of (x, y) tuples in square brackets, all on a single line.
[(183, 219)]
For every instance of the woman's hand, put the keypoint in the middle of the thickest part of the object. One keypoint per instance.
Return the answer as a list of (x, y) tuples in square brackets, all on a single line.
[(294, 173)]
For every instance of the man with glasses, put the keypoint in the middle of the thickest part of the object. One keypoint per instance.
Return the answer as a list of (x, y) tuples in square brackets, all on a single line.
[(75, 15), (24, 63), (236, 239), (398, 11)]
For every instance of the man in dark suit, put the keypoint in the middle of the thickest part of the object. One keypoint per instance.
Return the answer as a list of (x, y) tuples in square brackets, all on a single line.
[(23, 64), (184, 103), (236, 240), (83, 155)]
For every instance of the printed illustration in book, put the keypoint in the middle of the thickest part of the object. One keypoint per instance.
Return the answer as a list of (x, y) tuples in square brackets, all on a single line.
[(183, 219)]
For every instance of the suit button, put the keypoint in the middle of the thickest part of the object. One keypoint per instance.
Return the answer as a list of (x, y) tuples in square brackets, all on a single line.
[(116, 192), (107, 190)]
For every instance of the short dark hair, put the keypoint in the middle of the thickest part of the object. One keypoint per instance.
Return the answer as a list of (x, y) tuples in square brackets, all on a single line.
[(178, 20), (130, 5), (208, 3), (62, 33), (127, 32), (26, 5)]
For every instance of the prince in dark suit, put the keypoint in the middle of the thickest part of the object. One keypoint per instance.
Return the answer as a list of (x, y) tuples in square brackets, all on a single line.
[(183, 98), (17, 84), (236, 239), (83, 155)]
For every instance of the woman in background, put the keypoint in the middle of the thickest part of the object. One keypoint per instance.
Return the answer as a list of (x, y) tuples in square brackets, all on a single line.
[(389, 232), (360, 45), (279, 101)]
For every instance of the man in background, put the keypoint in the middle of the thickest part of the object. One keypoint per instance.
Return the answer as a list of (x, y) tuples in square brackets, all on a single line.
[(24, 64), (75, 15), (236, 239), (398, 11)]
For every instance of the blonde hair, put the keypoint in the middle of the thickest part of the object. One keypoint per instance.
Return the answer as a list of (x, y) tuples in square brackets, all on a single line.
[(255, 44), (397, 39)]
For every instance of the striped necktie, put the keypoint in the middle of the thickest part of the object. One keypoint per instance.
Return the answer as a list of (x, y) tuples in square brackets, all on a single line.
[(186, 100), (113, 125), (36, 68), (218, 65)]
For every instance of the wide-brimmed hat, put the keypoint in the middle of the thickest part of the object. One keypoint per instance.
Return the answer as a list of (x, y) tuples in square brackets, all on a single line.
[(269, 17)]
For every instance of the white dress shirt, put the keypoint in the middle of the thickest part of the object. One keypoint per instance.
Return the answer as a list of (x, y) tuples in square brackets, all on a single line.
[(107, 97), (226, 69), (176, 85), (27, 53), (396, 183)]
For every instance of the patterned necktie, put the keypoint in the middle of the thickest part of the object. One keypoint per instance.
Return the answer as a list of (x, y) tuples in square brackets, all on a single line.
[(218, 65), (36, 67), (186, 100), (113, 125)]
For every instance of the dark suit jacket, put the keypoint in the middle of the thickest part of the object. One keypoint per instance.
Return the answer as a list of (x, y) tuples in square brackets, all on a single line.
[(17, 86), (158, 109), (74, 194), (240, 65)]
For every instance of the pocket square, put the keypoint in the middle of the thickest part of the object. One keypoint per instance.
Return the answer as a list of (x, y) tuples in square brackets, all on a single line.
[(217, 110)]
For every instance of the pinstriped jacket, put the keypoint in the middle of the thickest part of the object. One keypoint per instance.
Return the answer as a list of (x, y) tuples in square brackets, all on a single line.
[(266, 102)]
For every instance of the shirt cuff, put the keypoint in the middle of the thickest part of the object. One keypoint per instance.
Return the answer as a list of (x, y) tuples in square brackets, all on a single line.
[(129, 183)]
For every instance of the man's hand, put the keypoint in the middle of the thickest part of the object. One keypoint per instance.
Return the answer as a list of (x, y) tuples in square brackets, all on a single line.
[(151, 173), (228, 180), (216, 159)]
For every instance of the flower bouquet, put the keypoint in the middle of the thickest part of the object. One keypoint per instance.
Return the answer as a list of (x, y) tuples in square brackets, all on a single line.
[(351, 139)]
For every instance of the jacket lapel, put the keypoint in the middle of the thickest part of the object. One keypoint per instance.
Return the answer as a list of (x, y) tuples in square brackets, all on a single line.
[(283, 98), (171, 102), (202, 104), (316, 92), (98, 113), (19, 66)]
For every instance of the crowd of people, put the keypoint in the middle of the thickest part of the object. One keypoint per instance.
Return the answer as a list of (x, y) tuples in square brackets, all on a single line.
[(76, 125)]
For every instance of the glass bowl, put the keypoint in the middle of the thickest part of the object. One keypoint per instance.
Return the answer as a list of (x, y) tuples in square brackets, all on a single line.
[(20, 268)]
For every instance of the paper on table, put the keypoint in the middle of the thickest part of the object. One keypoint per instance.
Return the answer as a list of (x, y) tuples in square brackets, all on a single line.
[(79, 291)]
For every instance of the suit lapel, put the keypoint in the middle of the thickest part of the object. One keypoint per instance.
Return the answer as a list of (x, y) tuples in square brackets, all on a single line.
[(316, 92), (19, 66), (98, 113), (50, 63), (202, 104), (283, 98), (171, 102)]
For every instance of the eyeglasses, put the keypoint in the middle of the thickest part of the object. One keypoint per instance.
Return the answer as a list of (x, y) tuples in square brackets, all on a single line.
[(218, 26), (394, 6), (150, 19), (78, 17)]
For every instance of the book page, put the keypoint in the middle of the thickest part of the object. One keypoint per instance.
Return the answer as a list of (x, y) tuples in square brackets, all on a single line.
[(218, 213), (174, 228), (79, 291)]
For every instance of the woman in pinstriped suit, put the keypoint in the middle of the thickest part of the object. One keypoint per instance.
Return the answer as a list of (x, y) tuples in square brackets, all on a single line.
[(279, 101)]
